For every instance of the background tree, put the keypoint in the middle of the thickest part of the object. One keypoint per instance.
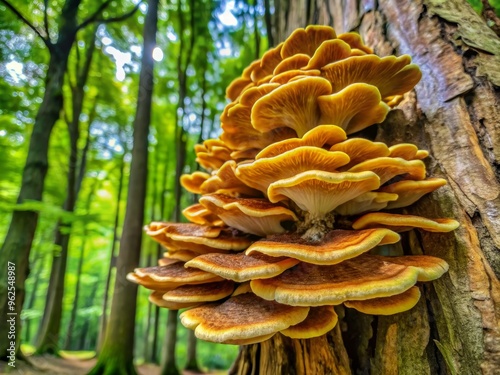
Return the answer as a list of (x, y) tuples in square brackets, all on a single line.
[(116, 356), (454, 114), (17, 245)]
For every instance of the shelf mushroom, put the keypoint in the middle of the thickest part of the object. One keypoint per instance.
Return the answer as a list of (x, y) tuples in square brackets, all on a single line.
[(295, 206)]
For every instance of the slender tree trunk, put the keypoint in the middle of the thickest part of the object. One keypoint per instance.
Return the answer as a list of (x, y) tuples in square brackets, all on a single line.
[(183, 61), (116, 356), (168, 366), (17, 245), (38, 267), (191, 355), (269, 24), (256, 31), (86, 324), (112, 263), (149, 315), (74, 309), (159, 250), (48, 341), (453, 113)]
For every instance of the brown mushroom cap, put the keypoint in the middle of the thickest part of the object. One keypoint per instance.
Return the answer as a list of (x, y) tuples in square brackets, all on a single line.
[(292, 105), (176, 273), (401, 223), (335, 247), (156, 298), (241, 267), (250, 215), (360, 278), (410, 191), (320, 320), (198, 238), (207, 292), (182, 255), (354, 108), (320, 136), (391, 75), (387, 305), (241, 318), (320, 192), (265, 171)]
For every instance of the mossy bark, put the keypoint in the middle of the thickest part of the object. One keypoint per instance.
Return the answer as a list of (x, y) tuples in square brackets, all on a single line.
[(453, 113)]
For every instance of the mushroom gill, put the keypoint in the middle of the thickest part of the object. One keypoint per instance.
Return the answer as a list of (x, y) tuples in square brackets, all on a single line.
[(294, 210)]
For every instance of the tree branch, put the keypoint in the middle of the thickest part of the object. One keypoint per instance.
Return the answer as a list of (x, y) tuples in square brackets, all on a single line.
[(27, 23), (95, 17)]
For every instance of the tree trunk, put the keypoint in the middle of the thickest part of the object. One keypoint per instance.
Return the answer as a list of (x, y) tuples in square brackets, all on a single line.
[(169, 366), (116, 356), (191, 354), (103, 321), (74, 309), (38, 267), (17, 245), (48, 340), (453, 113)]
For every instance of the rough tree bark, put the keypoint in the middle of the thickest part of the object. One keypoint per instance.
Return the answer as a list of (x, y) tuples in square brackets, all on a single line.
[(454, 113), (117, 353)]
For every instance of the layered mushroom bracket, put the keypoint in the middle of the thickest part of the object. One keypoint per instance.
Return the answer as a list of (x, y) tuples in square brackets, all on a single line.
[(296, 211)]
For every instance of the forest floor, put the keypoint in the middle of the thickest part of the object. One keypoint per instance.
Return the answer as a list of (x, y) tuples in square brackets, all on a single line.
[(69, 366)]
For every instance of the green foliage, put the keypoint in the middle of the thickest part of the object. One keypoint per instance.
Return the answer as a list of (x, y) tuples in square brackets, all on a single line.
[(108, 112)]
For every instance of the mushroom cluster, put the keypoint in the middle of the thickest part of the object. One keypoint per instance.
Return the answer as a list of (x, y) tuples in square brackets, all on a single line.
[(295, 213)]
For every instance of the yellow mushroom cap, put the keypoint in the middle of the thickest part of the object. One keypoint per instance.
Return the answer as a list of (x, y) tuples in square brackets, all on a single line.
[(401, 223), (360, 278), (354, 108), (244, 318), (240, 267), (387, 305), (306, 40), (264, 171), (335, 247), (156, 298), (320, 136), (391, 75), (292, 105), (207, 292), (320, 320), (319, 192), (250, 215), (410, 191)]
